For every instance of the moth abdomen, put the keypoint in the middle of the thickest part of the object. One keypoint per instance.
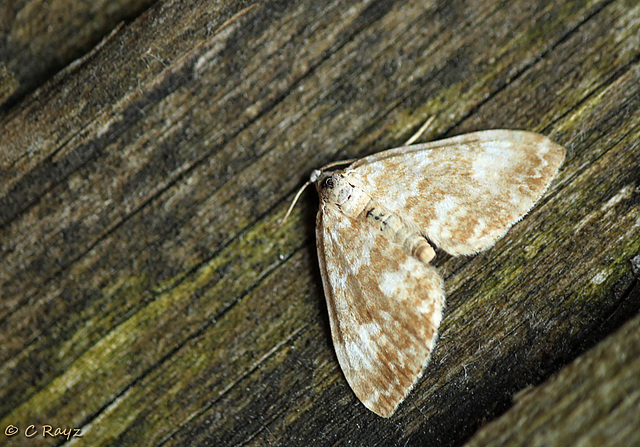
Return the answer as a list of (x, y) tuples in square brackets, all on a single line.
[(399, 232)]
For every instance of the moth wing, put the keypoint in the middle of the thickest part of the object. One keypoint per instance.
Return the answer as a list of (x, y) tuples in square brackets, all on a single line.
[(464, 192), (384, 308)]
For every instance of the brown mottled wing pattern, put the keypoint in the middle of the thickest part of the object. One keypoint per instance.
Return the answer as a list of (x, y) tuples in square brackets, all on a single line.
[(465, 192), (384, 307)]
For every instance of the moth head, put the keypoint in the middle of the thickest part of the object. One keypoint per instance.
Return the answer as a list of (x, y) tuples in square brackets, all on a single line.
[(333, 188)]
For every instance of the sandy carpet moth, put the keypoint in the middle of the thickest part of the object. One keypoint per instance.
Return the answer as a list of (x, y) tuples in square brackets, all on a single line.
[(378, 223)]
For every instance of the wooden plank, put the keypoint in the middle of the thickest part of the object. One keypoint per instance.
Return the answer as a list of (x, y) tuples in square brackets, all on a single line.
[(149, 294), (593, 401), (39, 38)]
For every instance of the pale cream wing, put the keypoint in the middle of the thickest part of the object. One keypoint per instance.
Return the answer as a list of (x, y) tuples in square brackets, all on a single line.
[(464, 192), (384, 308)]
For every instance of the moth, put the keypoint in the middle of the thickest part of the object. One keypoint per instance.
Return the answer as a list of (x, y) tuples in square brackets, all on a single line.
[(378, 223)]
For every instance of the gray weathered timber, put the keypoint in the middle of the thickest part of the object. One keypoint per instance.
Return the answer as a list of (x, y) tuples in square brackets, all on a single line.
[(39, 38), (593, 401), (149, 294)]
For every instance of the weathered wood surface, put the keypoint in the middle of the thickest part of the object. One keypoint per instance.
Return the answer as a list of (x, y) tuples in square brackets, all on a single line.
[(39, 38), (149, 296), (593, 401)]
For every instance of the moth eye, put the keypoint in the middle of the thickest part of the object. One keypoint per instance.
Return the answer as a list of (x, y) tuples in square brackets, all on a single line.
[(327, 183)]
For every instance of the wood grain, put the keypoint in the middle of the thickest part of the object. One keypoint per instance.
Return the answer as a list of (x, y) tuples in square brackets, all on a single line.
[(593, 400), (149, 294), (41, 37)]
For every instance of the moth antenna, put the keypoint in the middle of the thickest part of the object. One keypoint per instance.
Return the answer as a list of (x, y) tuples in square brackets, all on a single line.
[(295, 199), (337, 163), (420, 131)]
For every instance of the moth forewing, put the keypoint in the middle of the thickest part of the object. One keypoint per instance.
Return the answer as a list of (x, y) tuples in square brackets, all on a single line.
[(463, 192), (379, 298)]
